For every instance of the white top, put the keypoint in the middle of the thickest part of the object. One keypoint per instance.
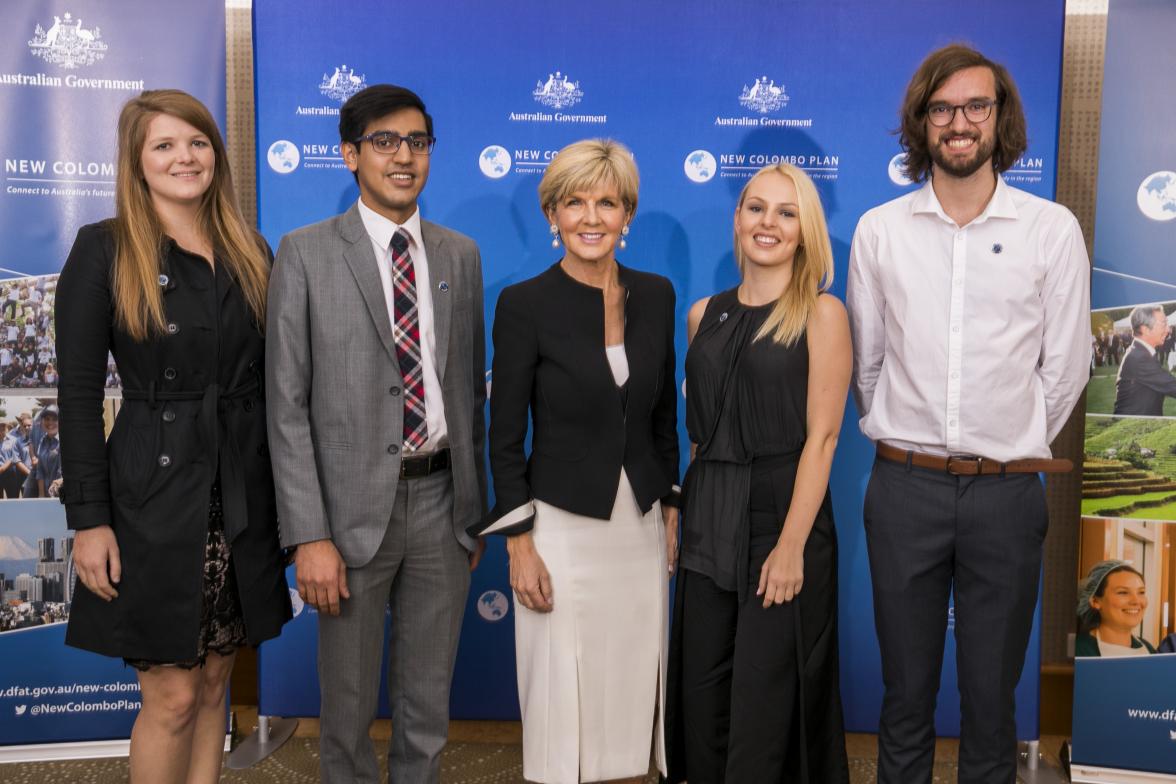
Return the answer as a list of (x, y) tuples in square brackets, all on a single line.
[(380, 230), (972, 340), (1106, 649), (618, 360), (1146, 347)]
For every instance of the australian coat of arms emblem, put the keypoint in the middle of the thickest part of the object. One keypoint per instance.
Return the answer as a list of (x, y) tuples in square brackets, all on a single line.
[(763, 96), (558, 91), (342, 84), (67, 43)]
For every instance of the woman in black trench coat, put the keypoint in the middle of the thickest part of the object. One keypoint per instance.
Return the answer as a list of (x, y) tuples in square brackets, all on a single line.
[(176, 543)]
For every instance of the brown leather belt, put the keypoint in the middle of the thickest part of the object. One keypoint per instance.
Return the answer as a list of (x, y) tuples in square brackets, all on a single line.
[(973, 466)]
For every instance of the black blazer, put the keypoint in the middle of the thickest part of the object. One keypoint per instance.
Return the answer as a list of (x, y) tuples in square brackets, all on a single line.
[(1142, 384), (549, 361)]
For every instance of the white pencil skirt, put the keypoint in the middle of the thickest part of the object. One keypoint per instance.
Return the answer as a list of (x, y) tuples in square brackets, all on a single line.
[(592, 671)]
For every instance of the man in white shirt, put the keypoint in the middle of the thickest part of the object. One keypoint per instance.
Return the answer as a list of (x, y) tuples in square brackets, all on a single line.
[(377, 314), (969, 303)]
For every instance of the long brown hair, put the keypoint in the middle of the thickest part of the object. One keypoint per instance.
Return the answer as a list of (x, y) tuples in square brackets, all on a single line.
[(812, 265), (939, 66), (139, 234)]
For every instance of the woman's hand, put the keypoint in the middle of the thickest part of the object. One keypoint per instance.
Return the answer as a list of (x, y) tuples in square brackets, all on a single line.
[(670, 516), (528, 574), (782, 574), (95, 555)]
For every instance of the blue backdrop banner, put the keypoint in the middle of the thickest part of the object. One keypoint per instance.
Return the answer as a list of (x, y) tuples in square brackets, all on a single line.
[(1123, 719), (1135, 226), (65, 71), (704, 94)]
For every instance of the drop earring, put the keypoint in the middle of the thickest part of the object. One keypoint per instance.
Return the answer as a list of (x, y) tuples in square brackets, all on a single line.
[(554, 236), (624, 233)]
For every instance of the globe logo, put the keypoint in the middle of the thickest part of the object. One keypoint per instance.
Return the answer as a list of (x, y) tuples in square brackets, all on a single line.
[(493, 606), (296, 603), (494, 162), (283, 156), (700, 166), (894, 170), (1157, 196)]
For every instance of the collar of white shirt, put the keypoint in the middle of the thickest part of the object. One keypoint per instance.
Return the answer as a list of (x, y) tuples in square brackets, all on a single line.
[(380, 229), (1150, 349), (999, 206)]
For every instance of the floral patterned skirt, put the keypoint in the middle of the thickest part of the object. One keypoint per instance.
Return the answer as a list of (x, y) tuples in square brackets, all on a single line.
[(222, 626)]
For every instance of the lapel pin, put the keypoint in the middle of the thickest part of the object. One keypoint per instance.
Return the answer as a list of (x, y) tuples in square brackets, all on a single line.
[(443, 286), (997, 247), (722, 317)]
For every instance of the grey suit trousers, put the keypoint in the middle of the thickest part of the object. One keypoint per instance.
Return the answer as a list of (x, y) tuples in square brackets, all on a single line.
[(422, 572)]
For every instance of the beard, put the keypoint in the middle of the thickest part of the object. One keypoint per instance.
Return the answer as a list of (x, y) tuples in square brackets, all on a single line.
[(963, 167)]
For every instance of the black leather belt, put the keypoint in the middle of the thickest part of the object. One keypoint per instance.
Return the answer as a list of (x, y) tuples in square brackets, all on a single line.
[(416, 466)]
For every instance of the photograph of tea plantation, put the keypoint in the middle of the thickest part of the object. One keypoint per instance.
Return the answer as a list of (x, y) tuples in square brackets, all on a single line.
[(1129, 468)]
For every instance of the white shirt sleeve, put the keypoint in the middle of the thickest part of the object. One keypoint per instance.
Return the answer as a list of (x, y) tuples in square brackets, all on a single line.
[(867, 322), (1064, 368)]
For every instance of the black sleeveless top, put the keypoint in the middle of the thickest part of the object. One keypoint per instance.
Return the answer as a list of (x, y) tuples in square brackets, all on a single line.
[(746, 409)]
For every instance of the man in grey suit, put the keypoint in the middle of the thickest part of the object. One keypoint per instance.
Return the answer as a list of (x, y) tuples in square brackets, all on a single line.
[(375, 384)]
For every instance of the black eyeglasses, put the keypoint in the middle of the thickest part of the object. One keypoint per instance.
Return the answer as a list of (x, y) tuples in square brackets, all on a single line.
[(387, 143), (943, 114)]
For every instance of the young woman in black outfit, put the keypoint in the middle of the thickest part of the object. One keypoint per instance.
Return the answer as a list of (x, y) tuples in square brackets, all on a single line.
[(176, 547), (753, 672)]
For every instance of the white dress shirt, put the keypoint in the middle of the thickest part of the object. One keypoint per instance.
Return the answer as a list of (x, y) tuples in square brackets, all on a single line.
[(380, 231), (969, 340), (1149, 349)]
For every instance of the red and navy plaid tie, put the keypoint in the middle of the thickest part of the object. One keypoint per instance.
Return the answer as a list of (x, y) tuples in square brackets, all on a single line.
[(406, 330)]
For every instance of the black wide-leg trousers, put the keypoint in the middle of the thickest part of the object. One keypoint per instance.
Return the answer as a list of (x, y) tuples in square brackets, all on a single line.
[(930, 534)]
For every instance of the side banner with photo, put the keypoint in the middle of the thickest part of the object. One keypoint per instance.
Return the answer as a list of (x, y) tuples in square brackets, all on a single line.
[(1127, 560), (705, 95), (65, 72)]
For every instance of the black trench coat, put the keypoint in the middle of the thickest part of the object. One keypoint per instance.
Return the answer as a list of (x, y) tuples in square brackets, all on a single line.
[(193, 402)]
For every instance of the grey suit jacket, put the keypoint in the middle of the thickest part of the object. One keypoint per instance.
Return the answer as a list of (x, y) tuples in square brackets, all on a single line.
[(333, 384)]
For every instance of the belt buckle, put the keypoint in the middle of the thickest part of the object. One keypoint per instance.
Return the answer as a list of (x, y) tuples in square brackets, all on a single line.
[(414, 466), (974, 465)]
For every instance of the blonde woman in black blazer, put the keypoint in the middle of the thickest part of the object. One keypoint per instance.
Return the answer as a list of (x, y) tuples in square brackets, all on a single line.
[(585, 353)]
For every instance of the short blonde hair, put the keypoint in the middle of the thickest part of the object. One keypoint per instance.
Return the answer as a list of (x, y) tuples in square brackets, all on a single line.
[(812, 266), (585, 164)]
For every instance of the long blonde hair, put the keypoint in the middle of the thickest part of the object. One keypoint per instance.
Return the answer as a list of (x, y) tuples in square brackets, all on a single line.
[(812, 266), (139, 234)]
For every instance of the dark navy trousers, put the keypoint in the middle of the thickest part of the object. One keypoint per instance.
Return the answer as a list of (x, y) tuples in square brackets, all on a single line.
[(930, 534)]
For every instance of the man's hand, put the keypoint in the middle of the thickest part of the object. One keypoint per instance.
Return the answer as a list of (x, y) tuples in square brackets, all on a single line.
[(95, 555), (321, 575), (528, 574), (476, 555)]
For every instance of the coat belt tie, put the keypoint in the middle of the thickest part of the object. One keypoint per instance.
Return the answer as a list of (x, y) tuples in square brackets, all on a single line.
[(218, 434)]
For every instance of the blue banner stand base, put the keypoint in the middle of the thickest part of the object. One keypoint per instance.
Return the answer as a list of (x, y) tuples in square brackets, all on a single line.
[(271, 733), (1091, 774)]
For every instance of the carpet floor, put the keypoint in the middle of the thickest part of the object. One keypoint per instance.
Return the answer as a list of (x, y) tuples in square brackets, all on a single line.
[(478, 753)]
